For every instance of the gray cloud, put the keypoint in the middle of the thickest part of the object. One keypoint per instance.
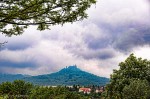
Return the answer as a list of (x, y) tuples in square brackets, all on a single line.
[(16, 65), (114, 29), (97, 43), (131, 38), (126, 23)]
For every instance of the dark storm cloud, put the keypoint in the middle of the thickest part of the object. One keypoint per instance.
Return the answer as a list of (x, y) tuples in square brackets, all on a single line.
[(17, 46), (123, 37), (103, 55), (132, 37), (20, 42), (92, 53), (106, 55), (126, 23), (146, 34), (97, 43), (17, 65)]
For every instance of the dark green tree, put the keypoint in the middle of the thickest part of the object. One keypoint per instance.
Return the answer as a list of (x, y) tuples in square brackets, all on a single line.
[(72, 95), (138, 89), (16, 15), (48, 93), (54, 93), (133, 69), (21, 87), (6, 88)]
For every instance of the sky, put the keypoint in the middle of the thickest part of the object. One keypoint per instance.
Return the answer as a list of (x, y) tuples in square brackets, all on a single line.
[(113, 30)]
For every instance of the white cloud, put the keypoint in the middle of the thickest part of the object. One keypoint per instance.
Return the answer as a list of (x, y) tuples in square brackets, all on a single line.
[(119, 11), (142, 51)]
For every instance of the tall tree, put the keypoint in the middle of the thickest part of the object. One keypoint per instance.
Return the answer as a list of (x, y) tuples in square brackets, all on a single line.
[(138, 89), (21, 87), (6, 88), (132, 70), (16, 15)]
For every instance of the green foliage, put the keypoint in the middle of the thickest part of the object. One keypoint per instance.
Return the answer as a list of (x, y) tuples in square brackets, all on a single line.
[(6, 87), (16, 89), (24, 90), (138, 89), (16, 15), (71, 95), (132, 71), (42, 93), (54, 93), (21, 87)]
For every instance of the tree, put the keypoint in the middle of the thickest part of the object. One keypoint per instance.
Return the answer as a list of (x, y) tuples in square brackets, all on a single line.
[(16, 15), (59, 92), (21, 87), (17, 89), (138, 89), (72, 95), (133, 69), (6, 88)]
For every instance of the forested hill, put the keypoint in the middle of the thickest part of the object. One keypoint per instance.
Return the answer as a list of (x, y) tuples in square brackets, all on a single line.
[(68, 76), (10, 77)]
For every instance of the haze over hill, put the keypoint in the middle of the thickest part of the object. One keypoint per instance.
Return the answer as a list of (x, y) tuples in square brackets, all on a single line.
[(67, 76), (10, 77)]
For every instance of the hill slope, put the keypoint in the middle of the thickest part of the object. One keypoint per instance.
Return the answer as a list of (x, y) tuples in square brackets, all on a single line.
[(10, 77), (68, 76)]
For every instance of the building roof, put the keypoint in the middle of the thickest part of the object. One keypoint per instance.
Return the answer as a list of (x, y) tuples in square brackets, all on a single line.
[(85, 89)]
